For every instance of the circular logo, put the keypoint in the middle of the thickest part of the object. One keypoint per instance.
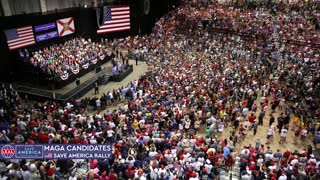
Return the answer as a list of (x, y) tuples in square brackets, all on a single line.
[(7, 151), (66, 26), (146, 7)]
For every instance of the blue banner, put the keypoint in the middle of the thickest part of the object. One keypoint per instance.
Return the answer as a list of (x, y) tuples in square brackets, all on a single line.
[(44, 27), (56, 151), (46, 36)]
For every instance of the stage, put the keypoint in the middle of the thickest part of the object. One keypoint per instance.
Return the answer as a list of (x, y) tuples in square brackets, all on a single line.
[(71, 90)]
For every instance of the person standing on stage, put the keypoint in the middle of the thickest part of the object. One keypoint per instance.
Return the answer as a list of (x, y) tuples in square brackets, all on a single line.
[(78, 82), (96, 88)]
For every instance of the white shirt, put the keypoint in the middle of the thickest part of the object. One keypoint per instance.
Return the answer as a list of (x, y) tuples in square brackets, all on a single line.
[(110, 133), (201, 159), (187, 124), (283, 177), (98, 116), (304, 132), (111, 95), (268, 156), (245, 111), (247, 124), (271, 168), (208, 168), (220, 127), (194, 178), (168, 156), (98, 103), (294, 162), (259, 162), (284, 133), (63, 127), (112, 125), (153, 153), (72, 178), (197, 165), (162, 171), (246, 177), (153, 173), (270, 131)]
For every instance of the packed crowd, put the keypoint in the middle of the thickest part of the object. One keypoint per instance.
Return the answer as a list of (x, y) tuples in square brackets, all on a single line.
[(69, 57), (289, 25), (197, 84)]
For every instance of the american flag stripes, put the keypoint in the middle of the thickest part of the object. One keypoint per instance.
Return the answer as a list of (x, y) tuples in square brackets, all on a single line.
[(117, 18), (49, 155), (19, 37)]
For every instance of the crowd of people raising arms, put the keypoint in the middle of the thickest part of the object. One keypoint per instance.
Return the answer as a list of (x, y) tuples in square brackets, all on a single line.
[(199, 81)]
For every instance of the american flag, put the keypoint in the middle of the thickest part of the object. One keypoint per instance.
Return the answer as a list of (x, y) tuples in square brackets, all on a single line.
[(19, 37), (49, 155), (117, 18)]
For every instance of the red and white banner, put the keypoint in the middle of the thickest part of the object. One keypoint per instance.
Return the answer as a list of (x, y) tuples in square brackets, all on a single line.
[(65, 26), (101, 56), (64, 76), (75, 69), (85, 66), (94, 60)]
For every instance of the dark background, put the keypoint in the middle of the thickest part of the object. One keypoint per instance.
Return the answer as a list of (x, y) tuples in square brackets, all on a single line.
[(12, 67)]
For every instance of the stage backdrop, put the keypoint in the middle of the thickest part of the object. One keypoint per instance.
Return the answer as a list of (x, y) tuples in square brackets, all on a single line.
[(58, 27)]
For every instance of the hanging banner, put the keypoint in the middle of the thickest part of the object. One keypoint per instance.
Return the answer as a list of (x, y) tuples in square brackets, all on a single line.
[(46, 36), (56, 151), (85, 66), (65, 26), (102, 56), (64, 76), (94, 61), (44, 27), (75, 69)]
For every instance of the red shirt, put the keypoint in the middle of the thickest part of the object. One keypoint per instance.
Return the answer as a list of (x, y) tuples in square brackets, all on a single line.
[(33, 123), (44, 138), (286, 154), (251, 119), (51, 171), (76, 140), (252, 167), (130, 173), (113, 176)]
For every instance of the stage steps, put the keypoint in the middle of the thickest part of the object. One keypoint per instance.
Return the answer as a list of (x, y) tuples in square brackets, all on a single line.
[(33, 92), (86, 86), (105, 80)]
